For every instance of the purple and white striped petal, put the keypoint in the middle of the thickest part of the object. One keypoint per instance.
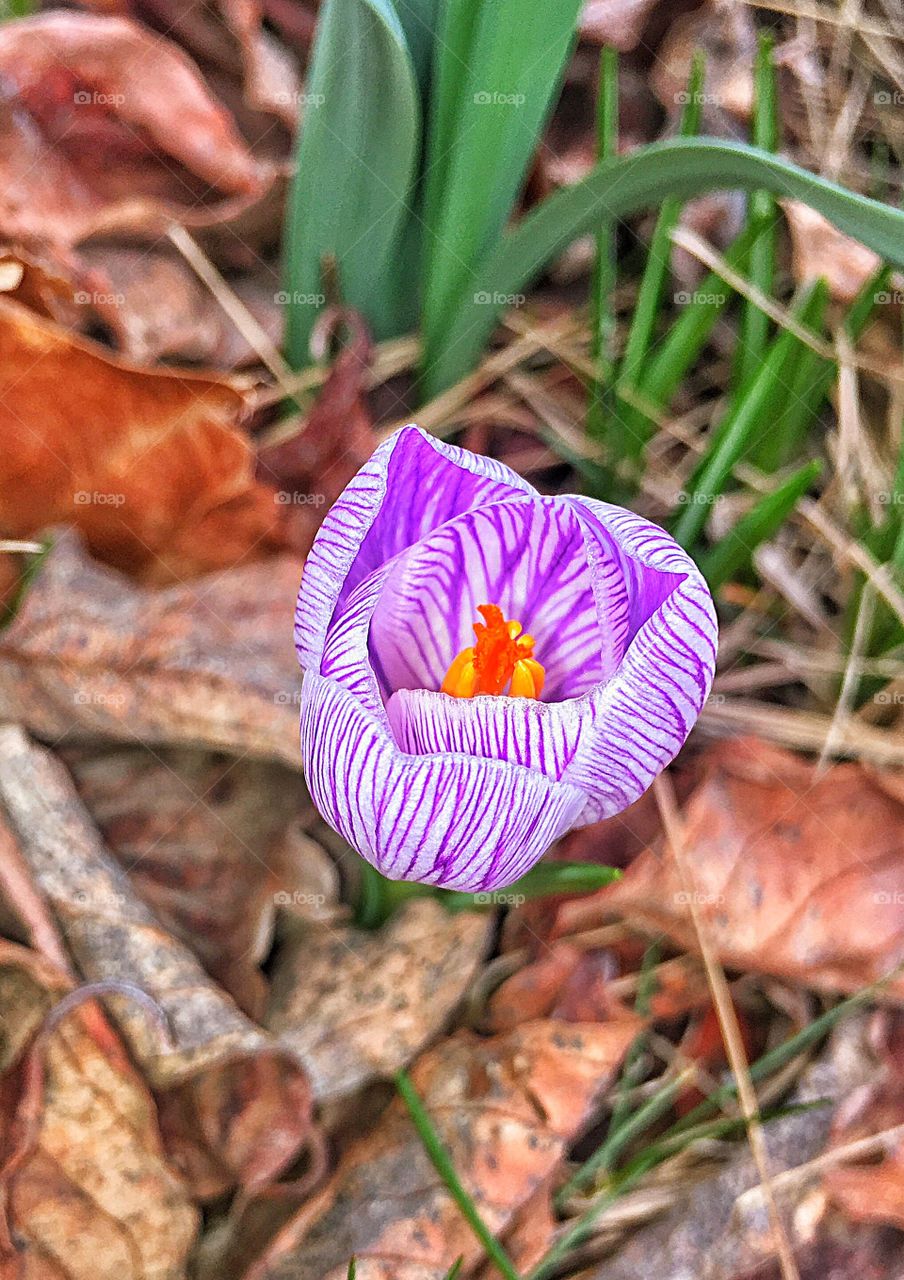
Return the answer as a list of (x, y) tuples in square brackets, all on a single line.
[(455, 820), (411, 485), (643, 715)]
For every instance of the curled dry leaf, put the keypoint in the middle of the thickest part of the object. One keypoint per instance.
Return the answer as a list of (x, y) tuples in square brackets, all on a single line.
[(356, 1007), (795, 874), (196, 832), (234, 1108), (87, 1192), (207, 664), (149, 464), (505, 1107), (111, 129)]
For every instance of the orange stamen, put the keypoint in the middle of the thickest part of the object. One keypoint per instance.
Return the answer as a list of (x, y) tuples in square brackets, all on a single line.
[(501, 657)]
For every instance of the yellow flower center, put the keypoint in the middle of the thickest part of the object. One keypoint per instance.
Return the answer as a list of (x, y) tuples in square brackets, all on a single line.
[(502, 656)]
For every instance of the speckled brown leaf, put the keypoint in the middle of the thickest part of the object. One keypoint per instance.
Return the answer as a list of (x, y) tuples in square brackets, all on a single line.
[(149, 464), (234, 1107), (197, 832), (210, 663), (506, 1109), (108, 128), (355, 1006), (795, 874), (90, 1196)]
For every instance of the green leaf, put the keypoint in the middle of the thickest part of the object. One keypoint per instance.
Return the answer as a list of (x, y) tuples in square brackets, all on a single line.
[(602, 289), (442, 1163), (733, 551), (357, 152), (678, 167), (543, 879), (497, 73)]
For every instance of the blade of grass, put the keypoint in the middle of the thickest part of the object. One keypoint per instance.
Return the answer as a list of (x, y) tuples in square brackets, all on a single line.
[(753, 332), (678, 166), (736, 434), (439, 1158), (602, 289), (733, 551), (652, 284), (542, 880)]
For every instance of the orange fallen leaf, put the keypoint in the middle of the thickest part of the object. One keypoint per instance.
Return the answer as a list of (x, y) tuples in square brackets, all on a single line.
[(109, 128), (795, 874), (149, 464), (820, 251), (505, 1107)]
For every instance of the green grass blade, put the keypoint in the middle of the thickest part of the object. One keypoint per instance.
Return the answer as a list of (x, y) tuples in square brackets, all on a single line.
[(602, 289), (356, 158), (737, 434), (733, 551), (679, 167), (455, 1270), (542, 880), (652, 284), (352, 1269), (439, 1158), (490, 110), (753, 334)]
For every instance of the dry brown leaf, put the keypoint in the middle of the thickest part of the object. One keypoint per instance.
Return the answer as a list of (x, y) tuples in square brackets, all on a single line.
[(355, 1007), (235, 1108), (147, 463), (155, 307), (794, 874), (506, 1108), (619, 23), (820, 251), (196, 833), (109, 128), (209, 664), (312, 467), (89, 1196), (725, 33)]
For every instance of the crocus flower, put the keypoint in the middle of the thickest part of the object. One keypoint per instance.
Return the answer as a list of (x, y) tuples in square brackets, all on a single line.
[(455, 753)]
